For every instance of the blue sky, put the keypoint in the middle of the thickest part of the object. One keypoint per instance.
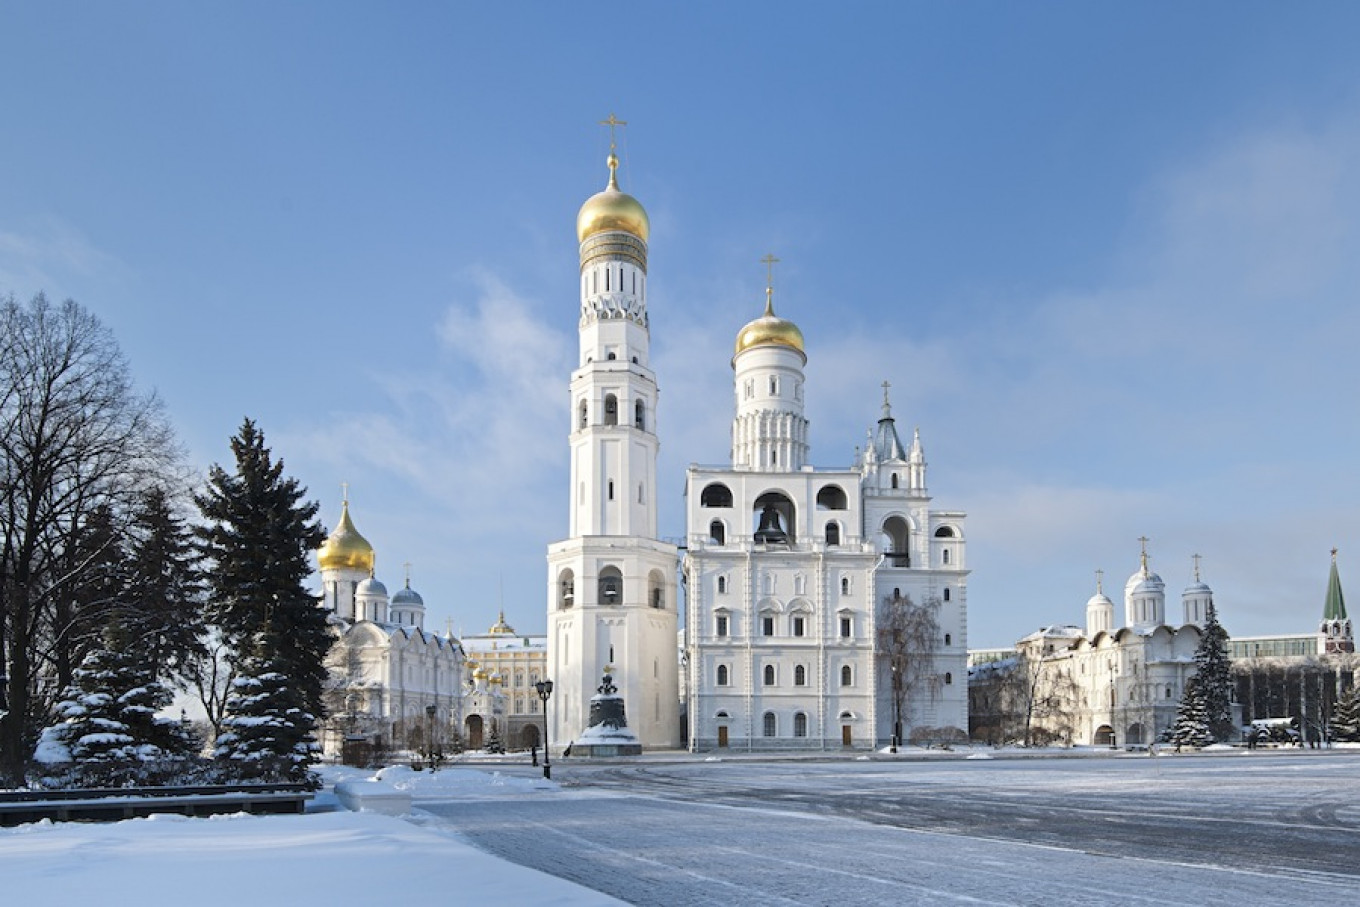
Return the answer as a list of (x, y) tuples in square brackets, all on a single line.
[(1107, 256)]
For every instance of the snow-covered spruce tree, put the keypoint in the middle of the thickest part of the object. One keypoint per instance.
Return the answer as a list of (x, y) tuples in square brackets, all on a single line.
[(109, 727), (267, 732), (163, 604), (1346, 717), (493, 741), (1192, 719), (258, 540), (1214, 677)]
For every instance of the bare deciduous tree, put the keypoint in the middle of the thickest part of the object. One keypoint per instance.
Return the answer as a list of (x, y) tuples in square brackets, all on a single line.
[(908, 641), (76, 439)]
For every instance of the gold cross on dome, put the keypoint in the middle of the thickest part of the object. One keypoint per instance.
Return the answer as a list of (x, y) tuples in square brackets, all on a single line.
[(1100, 580), (769, 261), (612, 122), (344, 492), (1196, 558)]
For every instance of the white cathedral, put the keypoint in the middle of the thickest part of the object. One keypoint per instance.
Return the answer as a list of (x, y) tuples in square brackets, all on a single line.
[(1102, 685), (787, 568)]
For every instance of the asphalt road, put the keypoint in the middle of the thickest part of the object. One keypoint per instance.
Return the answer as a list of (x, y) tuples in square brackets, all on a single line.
[(1180, 829)]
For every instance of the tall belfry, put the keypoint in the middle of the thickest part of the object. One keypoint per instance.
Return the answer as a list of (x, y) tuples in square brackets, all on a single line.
[(611, 582)]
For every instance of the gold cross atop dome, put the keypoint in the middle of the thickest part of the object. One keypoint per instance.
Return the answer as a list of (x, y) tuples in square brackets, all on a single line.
[(769, 261), (612, 122)]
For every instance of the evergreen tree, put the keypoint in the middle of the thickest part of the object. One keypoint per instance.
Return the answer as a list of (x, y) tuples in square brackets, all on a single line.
[(1214, 677), (259, 540), (164, 598), (268, 730), (1346, 717), (1192, 718), (109, 723), (82, 611)]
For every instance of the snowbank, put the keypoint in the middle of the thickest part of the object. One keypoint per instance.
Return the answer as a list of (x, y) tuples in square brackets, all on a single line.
[(321, 858)]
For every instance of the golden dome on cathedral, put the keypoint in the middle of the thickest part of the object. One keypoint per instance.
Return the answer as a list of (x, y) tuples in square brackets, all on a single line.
[(346, 549), (612, 211), (769, 329)]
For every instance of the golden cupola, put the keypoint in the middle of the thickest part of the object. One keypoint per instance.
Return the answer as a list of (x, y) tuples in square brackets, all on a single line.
[(612, 210), (345, 548), (769, 329)]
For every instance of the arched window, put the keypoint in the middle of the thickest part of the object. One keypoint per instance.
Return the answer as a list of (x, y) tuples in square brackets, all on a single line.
[(656, 590), (717, 532), (637, 414), (722, 675), (800, 676), (946, 593), (948, 677), (948, 639), (566, 589), (897, 541), (611, 586), (831, 497), (800, 725), (771, 724), (945, 532), (894, 480), (769, 675), (611, 410), (845, 585), (833, 533), (716, 495), (945, 555), (847, 676), (774, 518), (722, 585)]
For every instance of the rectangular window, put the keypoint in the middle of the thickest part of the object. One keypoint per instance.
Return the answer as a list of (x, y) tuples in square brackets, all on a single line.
[(799, 625), (767, 626), (722, 625), (845, 628)]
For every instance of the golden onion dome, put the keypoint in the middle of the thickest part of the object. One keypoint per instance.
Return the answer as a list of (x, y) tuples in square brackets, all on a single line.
[(612, 210), (769, 329), (346, 549)]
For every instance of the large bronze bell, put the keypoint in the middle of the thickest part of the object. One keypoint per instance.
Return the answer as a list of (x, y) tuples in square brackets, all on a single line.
[(769, 529)]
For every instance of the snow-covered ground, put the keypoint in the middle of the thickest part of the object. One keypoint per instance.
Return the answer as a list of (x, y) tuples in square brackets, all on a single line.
[(689, 831), (329, 856)]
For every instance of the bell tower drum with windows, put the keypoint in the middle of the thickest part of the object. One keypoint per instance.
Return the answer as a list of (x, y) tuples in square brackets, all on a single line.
[(611, 582)]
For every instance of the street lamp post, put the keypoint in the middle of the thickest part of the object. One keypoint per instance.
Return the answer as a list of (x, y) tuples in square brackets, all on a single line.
[(545, 688), (897, 707), (432, 755)]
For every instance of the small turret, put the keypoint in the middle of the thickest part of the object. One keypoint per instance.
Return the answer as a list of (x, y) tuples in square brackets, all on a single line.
[(1336, 626)]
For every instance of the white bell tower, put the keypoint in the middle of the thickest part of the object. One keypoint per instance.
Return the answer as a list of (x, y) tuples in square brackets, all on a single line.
[(611, 583)]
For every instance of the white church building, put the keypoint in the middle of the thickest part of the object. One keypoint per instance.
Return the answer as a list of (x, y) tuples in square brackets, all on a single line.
[(786, 566), (612, 599), (386, 670), (1104, 684)]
